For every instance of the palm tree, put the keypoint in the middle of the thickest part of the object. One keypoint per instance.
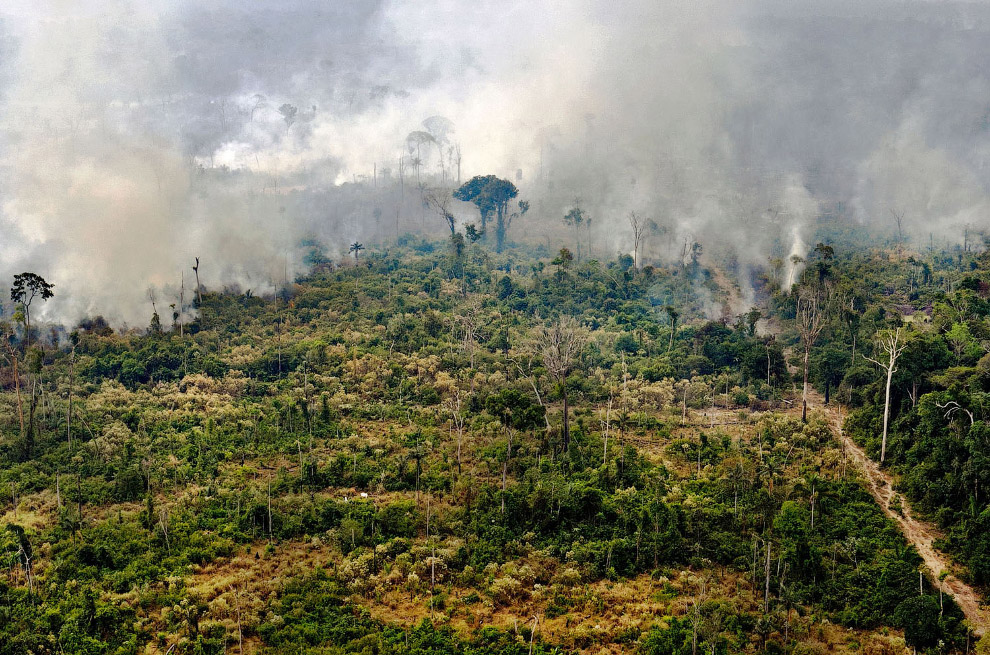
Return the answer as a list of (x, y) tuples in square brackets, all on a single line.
[(356, 248)]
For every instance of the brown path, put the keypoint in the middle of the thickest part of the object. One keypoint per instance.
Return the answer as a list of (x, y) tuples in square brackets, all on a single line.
[(919, 533)]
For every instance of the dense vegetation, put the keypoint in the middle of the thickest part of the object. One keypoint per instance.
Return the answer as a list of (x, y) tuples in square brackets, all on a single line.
[(488, 447)]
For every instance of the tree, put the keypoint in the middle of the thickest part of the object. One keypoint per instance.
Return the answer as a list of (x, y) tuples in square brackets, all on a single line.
[(560, 344), (259, 102), (288, 115), (829, 367), (439, 201), (414, 142), (439, 129), (919, 617), (752, 317), (899, 221), (491, 195), (576, 218), (457, 252), (199, 293), (563, 259), (26, 287), (24, 553), (674, 315), (454, 407), (961, 339), (813, 307), (473, 234), (888, 343), (10, 351), (827, 253), (638, 228), (356, 248)]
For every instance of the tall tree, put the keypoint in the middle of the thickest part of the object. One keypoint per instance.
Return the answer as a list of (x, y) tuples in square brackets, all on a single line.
[(814, 303), (414, 143), (288, 115), (439, 200), (575, 218), (491, 195), (674, 315), (10, 351), (560, 344), (26, 287), (638, 226), (199, 294), (440, 129), (890, 344)]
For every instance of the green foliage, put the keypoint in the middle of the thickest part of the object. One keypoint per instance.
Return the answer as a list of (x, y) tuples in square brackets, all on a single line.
[(377, 414)]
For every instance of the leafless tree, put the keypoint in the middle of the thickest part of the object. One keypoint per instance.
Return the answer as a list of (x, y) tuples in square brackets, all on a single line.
[(259, 102), (454, 407), (560, 343), (163, 521), (638, 228), (469, 323), (890, 344), (440, 129), (10, 352), (199, 295), (952, 407), (814, 304), (440, 200), (899, 221), (240, 633), (414, 143)]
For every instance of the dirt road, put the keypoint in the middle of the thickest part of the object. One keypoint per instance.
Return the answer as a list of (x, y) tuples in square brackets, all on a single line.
[(919, 533)]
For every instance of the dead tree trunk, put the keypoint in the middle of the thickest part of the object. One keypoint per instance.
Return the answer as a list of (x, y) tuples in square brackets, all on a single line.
[(889, 344)]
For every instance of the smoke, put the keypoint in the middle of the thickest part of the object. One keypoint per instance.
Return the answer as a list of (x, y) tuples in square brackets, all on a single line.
[(136, 136), (799, 208)]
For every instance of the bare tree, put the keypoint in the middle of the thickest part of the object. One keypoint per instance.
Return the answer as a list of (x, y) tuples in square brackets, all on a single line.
[(11, 354), (470, 324), (560, 343), (259, 102), (439, 200), (813, 308), (899, 221), (163, 521), (890, 344), (414, 143), (440, 129), (638, 228), (952, 407), (454, 407), (199, 296), (74, 339)]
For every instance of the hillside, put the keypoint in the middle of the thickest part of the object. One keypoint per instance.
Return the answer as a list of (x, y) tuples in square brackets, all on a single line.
[(377, 459)]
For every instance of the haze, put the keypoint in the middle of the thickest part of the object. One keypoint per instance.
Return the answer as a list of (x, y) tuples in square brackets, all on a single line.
[(135, 136)]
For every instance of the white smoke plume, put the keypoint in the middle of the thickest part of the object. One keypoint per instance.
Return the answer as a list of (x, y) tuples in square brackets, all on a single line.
[(136, 136)]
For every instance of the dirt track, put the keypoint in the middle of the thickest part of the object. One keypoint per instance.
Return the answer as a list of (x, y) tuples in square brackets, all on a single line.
[(920, 534)]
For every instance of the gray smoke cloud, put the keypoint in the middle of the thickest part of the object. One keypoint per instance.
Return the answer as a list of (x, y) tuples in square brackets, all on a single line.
[(135, 136)]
